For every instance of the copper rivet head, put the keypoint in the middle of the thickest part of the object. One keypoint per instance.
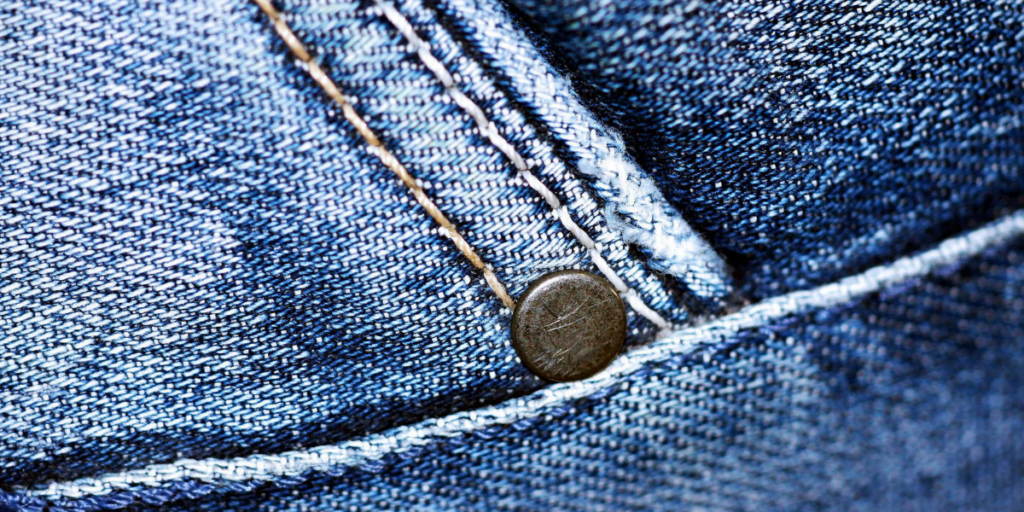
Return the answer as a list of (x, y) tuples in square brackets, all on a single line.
[(568, 325)]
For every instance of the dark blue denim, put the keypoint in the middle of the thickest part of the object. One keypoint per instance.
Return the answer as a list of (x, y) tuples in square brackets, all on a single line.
[(907, 401), (215, 296), (808, 139)]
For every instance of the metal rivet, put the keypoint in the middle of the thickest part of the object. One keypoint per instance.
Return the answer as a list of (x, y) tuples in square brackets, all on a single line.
[(568, 325)]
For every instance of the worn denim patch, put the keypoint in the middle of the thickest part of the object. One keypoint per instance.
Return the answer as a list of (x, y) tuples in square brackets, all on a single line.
[(192, 479), (909, 400), (200, 257)]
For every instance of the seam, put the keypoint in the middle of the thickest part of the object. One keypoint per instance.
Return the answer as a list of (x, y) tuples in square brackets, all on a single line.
[(378, 148), (682, 342), (635, 208), (490, 131)]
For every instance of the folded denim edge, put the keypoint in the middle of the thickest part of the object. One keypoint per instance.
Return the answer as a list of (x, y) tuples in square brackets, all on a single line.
[(634, 206), (159, 483), (490, 132)]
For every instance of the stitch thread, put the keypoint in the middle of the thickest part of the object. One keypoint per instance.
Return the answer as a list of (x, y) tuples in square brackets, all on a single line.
[(635, 208), (381, 151), (682, 341), (490, 131)]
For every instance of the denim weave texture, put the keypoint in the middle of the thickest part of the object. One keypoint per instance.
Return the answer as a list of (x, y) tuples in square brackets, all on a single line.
[(201, 259), (808, 139), (909, 400)]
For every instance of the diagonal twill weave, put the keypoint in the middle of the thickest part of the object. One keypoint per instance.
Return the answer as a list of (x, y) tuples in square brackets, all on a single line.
[(228, 472), (490, 132), (378, 148)]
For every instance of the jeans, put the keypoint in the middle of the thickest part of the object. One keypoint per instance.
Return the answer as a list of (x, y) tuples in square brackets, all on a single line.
[(214, 294), (811, 139)]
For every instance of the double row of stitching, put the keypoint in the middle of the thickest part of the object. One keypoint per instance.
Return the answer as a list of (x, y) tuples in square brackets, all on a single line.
[(378, 148), (487, 129), (255, 468), (635, 210), (490, 131)]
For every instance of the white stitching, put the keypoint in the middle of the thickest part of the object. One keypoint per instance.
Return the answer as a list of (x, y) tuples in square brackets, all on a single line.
[(490, 131), (377, 148), (683, 341), (635, 208)]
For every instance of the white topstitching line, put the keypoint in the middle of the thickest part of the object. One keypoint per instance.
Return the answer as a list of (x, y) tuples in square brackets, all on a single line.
[(682, 341), (489, 130), (376, 147), (635, 208)]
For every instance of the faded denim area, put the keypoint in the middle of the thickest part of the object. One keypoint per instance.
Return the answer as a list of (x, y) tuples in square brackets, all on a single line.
[(909, 400), (470, 180), (201, 258), (806, 140)]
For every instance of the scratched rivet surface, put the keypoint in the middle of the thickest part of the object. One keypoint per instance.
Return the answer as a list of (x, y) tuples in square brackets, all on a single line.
[(568, 325)]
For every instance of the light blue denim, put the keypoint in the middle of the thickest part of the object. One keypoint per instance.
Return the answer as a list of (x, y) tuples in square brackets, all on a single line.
[(201, 259)]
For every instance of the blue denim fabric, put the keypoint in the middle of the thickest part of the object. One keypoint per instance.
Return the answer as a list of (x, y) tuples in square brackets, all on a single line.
[(907, 401), (199, 258), (809, 139)]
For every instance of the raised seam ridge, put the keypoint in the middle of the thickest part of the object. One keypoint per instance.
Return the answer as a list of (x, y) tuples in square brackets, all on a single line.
[(224, 472), (490, 132), (381, 151)]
